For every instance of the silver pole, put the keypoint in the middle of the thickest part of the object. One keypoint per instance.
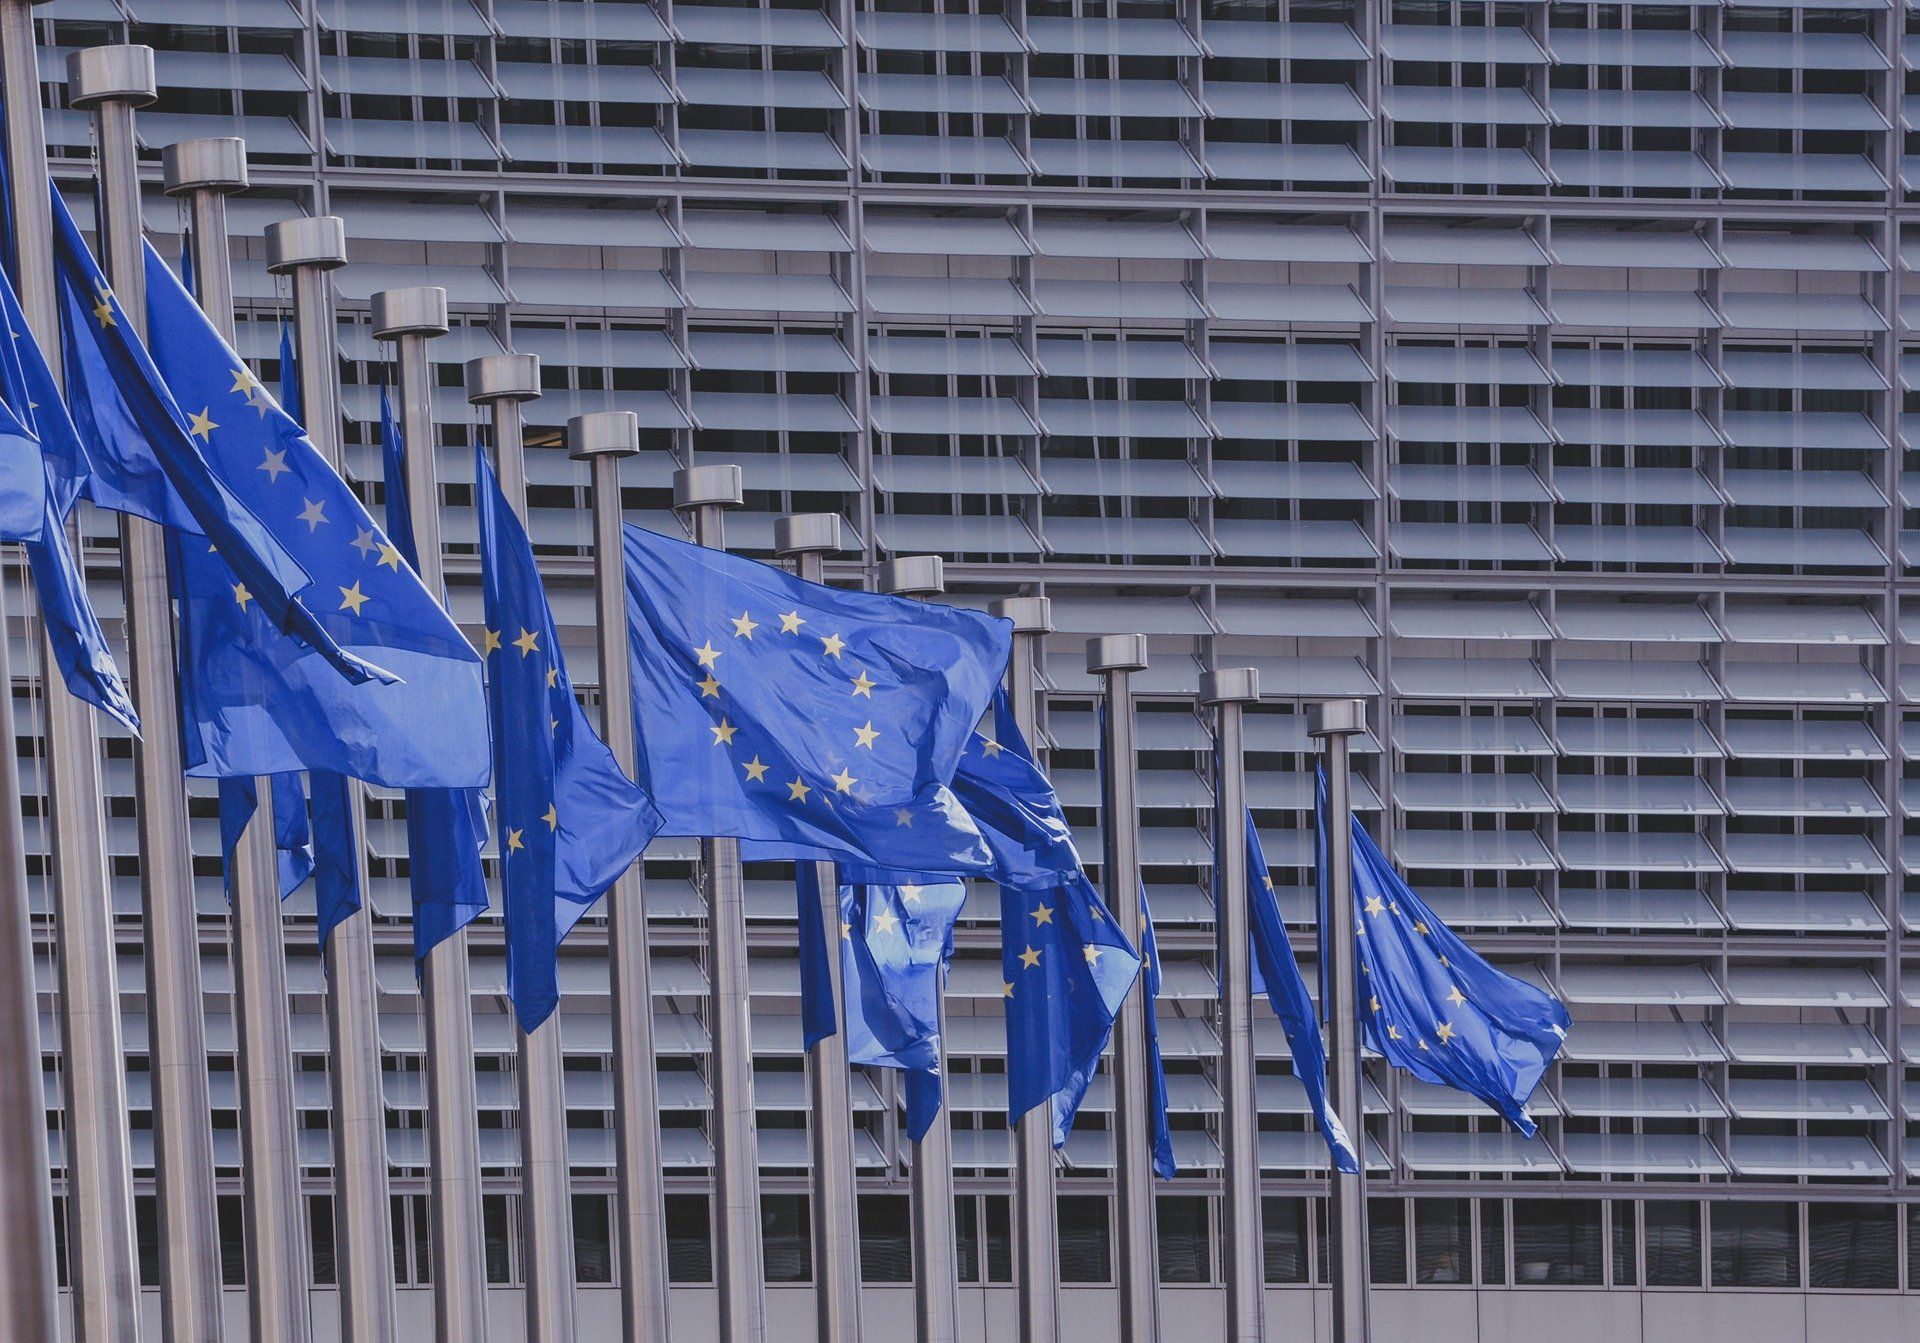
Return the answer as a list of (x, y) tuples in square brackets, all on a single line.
[(205, 172), (308, 249), (706, 492), (1229, 691), (113, 81), (1036, 1232), (1333, 722), (1114, 659), (29, 1301), (936, 1287), (602, 439), (807, 539), (546, 1205)]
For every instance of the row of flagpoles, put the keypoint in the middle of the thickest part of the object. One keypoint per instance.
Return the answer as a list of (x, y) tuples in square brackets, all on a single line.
[(1069, 957)]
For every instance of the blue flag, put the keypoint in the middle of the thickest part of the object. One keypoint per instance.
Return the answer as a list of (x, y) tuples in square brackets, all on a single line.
[(1163, 1162), (1280, 979), (819, 1014), (1433, 1006), (257, 700), (23, 473), (818, 721), (292, 836), (336, 840), (571, 821)]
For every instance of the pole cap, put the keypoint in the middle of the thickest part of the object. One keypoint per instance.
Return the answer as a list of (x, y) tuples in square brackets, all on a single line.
[(503, 377), (1336, 717), (1230, 685), (419, 310), (913, 576), (218, 163), (604, 433), (1030, 615), (806, 534), (122, 74), (698, 486), (1117, 652), (293, 243)]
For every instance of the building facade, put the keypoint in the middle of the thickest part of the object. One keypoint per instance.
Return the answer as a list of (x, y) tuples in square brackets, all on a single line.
[(1538, 372)]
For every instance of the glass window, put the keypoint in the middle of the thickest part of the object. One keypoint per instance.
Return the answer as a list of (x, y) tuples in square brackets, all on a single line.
[(1756, 1245), (1284, 1227), (1673, 1244), (496, 1225), (592, 1238), (1186, 1244), (1913, 1247), (233, 1251), (966, 1237), (320, 1237), (886, 1239), (999, 1210), (1625, 1270), (689, 1239), (1387, 1230), (1493, 1242), (1086, 1249), (1442, 1240), (1556, 1241), (146, 1238), (786, 1247), (1853, 1245)]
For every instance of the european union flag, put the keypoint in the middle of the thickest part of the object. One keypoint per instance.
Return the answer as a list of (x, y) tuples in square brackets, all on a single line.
[(572, 821), (1279, 977), (1433, 1006), (256, 699), (292, 836), (1163, 1162), (816, 720), (23, 472)]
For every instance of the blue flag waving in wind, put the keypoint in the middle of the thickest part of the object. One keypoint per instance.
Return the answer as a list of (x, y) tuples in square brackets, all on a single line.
[(1163, 1162), (1433, 1006), (570, 821), (820, 721)]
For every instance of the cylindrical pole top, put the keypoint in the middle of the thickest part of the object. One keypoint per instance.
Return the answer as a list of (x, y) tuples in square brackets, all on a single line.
[(218, 163), (1030, 615), (512, 377), (697, 486), (1230, 685), (293, 243), (419, 310), (806, 534), (1336, 717), (98, 75), (914, 576), (1117, 652), (604, 433)]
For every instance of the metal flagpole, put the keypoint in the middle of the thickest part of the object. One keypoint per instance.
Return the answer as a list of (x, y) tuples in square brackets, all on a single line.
[(807, 539), (29, 1303), (546, 1205), (1333, 722), (1114, 659), (307, 249), (205, 171), (454, 1206), (112, 81), (1037, 1232), (706, 492), (936, 1288), (1229, 691), (602, 439)]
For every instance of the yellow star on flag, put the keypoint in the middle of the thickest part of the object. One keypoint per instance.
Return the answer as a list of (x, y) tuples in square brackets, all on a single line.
[(103, 307), (744, 625), (553, 677), (1374, 905), (390, 556), (1373, 1004), (241, 595), (528, 643), (722, 732), (1043, 914), (989, 747), (903, 818), (489, 641), (846, 930), (791, 622), (365, 543), (756, 771), (352, 598), (551, 816), (1030, 958), (709, 688), (865, 735), (1454, 996), (275, 464), (707, 654), (833, 644), (203, 426), (514, 841), (1006, 989), (1423, 1048), (1445, 1031), (843, 782), (1393, 1031), (314, 514), (910, 895), (244, 382), (797, 791), (1093, 952), (863, 686), (1421, 927), (885, 921)]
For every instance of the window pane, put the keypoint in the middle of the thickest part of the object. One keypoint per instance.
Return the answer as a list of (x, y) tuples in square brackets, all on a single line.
[(422, 1240), (886, 1240), (1853, 1245), (1086, 1251), (233, 1254), (1913, 1247), (1673, 1244), (592, 1238), (999, 1238), (60, 1241), (1284, 1236), (966, 1237), (1556, 1241), (320, 1236), (1493, 1242), (1625, 1271), (1186, 1254), (689, 1239), (496, 1226), (146, 1237), (1441, 1240), (1756, 1245), (786, 1247), (1387, 1230)]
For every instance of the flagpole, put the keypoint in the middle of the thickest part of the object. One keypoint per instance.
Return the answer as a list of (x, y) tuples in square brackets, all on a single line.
[(1229, 691), (936, 1289), (29, 1300), (602, 439), (1036, 1244), (706, 492), (205, 171), (1114, 659), (807, 539), (446, 984), (308, 249), (1333, 723), (546, 1204), (112, 81)]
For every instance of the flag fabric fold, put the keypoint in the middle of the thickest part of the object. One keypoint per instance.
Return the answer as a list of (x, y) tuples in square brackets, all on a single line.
[(819, 1014), (1164, 1164), (292, 835)]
